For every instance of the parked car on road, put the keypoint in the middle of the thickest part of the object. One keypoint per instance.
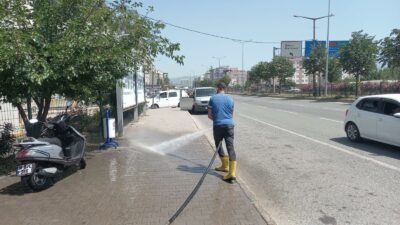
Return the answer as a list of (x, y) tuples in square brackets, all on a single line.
[(198, 101), (375, 117), (170, 98), (294, 89)]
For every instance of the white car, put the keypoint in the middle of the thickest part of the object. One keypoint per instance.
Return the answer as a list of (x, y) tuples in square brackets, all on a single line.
[(170, 98), (375, 117)]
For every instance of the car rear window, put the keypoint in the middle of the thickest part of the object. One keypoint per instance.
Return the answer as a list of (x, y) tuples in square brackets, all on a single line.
[(390, 108)]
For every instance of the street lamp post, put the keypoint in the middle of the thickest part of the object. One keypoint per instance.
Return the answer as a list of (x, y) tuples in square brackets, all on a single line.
[(327, 50), (314, 19), (219, 60)]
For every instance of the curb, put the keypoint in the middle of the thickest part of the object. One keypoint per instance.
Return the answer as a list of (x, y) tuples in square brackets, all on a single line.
[(243, 186)]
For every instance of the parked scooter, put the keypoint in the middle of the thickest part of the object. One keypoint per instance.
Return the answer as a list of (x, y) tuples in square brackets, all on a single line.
[(59, 147)]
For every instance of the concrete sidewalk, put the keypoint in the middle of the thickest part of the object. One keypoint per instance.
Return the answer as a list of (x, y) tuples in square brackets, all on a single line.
[(135, 186)]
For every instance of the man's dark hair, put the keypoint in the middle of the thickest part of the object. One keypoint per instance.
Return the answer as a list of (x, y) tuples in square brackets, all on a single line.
[(221, 85)]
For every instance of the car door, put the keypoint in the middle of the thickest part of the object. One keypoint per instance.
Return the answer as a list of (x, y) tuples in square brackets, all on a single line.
[(388, 126), (173, 98), (367, 117), (163, 100)]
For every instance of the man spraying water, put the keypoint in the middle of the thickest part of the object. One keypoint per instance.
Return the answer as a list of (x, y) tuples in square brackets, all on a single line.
[(220, 111)]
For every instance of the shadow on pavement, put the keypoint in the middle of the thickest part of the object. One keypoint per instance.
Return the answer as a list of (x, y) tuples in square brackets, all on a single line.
[(373, 147), (198, 168), (18, 189)]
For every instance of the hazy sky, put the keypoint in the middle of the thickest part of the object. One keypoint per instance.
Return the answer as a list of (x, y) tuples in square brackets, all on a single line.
[(261, 20)]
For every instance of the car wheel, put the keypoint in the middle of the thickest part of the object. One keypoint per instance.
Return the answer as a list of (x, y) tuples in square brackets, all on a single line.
[(353, 134)]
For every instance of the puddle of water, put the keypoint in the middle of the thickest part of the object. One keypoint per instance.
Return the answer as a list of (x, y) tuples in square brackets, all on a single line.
[(174, 144)]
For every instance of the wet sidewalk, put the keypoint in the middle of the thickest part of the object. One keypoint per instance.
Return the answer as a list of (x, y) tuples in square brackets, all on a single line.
[(133, 185)]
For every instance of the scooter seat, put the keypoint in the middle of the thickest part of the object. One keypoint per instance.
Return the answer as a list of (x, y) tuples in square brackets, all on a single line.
[(53, 141)]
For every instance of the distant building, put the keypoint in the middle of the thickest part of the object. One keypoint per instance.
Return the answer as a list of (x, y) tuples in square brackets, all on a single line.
[(154, 77), (238, 77), (300, 76)]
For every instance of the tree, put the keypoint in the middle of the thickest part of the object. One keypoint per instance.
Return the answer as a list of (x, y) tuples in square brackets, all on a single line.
[(390, 49), (359, 56), (335, 70), (315, 64), (258, 72), (207, 83), (78, 49), (226, 79), (282, 68)]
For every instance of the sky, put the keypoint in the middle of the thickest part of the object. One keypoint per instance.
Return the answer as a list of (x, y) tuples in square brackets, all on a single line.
[(260, 20)]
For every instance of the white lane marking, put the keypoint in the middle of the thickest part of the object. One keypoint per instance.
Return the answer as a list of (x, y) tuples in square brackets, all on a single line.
[(338, 110), (286, 111), (325, 144), (297, 105), (336, 121)]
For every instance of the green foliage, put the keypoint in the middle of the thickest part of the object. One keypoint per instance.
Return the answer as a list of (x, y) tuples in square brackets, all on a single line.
[(226, 79), (7, 139), (289, 83), (282, 68), (359, 56), (390, 49), (206, 83), (78, 49), (259, 72), (316, 62), (335, 70)]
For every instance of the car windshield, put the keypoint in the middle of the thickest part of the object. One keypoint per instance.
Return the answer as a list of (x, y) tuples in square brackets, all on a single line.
[(205, 92)]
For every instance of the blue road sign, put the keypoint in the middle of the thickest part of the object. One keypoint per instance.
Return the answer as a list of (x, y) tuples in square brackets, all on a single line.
[(334, 47)]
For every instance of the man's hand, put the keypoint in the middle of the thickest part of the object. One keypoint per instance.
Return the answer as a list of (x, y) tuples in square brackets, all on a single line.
[(210, 116)]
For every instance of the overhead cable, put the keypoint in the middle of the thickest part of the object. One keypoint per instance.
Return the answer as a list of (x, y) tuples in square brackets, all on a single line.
[(212, 35)]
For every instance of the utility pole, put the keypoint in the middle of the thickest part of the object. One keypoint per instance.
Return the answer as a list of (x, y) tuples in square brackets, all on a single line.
[(313, 45), (327, 51)]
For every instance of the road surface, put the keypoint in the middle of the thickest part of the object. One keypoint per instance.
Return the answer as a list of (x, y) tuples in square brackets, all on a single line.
[(294, 157)]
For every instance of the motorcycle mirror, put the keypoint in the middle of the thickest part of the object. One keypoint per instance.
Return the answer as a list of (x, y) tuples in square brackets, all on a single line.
[(32, 121)]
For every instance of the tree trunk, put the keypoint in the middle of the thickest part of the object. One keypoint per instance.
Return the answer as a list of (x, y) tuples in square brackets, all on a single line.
[(314, 85), (23, 115), (358, 85), (46, 108), (273, 84)]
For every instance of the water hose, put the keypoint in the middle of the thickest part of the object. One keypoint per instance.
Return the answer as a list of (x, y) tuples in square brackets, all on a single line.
[(196, 188)]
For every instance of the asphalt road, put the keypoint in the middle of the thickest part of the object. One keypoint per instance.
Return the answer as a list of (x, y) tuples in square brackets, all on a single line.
[(294, 157)]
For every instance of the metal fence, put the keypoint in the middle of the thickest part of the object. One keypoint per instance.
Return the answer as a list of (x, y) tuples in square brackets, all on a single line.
[(10, 114)]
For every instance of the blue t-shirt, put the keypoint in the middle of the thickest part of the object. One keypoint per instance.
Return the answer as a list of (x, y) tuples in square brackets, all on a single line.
[(222, 109)]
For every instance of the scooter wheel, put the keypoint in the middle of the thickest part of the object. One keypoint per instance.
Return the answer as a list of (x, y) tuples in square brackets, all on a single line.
[(37, 182), (82, 164)]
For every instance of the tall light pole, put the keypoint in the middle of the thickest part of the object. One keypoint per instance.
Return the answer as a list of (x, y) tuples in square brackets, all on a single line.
[(327, 51), (314, 19), (219, 60)]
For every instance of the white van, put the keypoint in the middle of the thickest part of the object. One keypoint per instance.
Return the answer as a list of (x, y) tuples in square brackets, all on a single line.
[(170, 98)]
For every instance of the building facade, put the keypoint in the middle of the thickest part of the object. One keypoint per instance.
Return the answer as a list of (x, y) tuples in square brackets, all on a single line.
[(299, 76)]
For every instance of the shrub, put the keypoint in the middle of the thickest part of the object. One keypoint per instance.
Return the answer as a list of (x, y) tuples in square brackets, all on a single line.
[(7, 139)]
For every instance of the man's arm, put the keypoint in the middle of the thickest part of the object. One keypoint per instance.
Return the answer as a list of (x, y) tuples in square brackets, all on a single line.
[(210, 116)]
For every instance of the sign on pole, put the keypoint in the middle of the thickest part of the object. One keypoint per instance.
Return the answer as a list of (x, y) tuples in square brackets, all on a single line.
[(291, 49), (334, 47)]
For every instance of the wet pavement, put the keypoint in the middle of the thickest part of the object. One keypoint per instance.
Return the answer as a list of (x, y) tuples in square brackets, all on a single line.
[(132, 185)]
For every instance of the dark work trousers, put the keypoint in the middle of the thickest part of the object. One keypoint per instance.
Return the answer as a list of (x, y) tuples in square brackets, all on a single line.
[(225, 132)]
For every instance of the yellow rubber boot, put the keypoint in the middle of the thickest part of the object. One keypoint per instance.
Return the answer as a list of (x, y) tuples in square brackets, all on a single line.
[(232, 172), (225, 164)]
